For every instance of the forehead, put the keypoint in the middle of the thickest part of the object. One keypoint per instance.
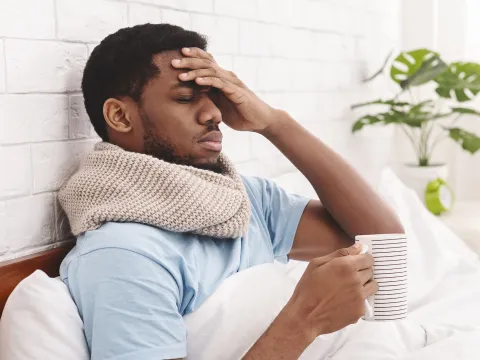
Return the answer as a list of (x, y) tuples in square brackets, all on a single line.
[(168, 74)]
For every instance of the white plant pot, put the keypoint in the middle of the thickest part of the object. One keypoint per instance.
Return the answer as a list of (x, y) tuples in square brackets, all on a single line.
[(417, 177)]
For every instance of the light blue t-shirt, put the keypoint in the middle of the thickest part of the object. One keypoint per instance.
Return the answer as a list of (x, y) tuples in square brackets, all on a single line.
[(132, 283)]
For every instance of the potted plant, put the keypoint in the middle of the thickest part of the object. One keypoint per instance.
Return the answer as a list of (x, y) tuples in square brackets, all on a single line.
[(427, 122)]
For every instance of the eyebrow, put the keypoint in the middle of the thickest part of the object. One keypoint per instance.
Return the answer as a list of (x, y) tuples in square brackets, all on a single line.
[(189, 85), (185, 84)]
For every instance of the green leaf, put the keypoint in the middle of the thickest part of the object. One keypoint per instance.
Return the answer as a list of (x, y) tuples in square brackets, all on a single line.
[(468, 140), (419, 107), (440, 116), (421, 113), (429, 70), (391, 102), (366, 120), (461, 81), (416, 67), (464, 110), (413, 117)]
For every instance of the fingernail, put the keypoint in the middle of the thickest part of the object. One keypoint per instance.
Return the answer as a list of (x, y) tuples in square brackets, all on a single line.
[(357, 246), (187, 50), (200, 79), (183, 75), (176, 62)]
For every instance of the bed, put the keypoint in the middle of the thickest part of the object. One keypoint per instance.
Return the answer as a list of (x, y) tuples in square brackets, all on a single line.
[(14, 271), (444, 298)]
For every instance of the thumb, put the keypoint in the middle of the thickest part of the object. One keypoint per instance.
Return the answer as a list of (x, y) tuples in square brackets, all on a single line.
[(355, 249)]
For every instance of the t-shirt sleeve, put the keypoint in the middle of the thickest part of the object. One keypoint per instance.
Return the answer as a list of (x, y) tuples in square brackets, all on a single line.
[(129, 305), (282, 212)]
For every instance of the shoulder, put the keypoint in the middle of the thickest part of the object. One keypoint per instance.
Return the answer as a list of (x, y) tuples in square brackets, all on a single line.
[(256, 187), (143, 239), (139, 243)]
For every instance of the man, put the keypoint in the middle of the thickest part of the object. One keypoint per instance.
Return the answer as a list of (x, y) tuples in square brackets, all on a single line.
[(162, 218)]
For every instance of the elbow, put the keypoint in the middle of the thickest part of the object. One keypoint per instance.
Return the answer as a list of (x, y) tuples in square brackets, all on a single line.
[(397, 228), (390, 224), (393, 225)]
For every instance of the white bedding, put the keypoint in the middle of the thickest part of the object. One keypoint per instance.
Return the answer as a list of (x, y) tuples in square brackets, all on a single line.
[(41, 321), (444, 301)]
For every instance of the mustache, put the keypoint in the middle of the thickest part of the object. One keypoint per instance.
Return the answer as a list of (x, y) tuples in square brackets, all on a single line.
[(211, 126)]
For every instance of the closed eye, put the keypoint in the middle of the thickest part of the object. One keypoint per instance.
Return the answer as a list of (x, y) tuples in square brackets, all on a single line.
[(186, 99)]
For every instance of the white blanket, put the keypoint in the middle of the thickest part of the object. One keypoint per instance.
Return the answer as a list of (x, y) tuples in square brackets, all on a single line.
[(444, 298)]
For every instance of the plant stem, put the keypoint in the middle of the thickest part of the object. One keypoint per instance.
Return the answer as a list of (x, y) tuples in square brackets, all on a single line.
[(412, 140), (424, 144), (454, 121)]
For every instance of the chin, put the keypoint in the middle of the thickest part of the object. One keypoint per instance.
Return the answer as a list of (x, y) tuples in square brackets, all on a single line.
[(211, 164)]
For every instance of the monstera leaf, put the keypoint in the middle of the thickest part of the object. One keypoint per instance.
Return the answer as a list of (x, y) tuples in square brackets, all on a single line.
[(414, 116), (416, 67), (468, 140), (461, 81), (367, 120), (389, 117), (465, 111)]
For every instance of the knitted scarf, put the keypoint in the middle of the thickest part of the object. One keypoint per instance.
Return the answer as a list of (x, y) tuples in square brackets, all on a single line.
[(116, 185)]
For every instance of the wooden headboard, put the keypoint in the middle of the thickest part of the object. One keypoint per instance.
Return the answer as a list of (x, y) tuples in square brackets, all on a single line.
[(14, 271)]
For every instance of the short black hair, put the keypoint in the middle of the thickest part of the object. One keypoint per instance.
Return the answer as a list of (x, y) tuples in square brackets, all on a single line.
[(121, 65)]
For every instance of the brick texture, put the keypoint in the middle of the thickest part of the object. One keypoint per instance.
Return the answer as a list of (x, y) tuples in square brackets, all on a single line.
[(174, 17), (58, 66), (2, 68), (89, 20), (304, 56), (141, 14), (31, 19)]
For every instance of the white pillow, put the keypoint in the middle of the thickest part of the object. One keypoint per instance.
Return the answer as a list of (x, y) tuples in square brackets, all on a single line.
[(41, 321), (229, 322)]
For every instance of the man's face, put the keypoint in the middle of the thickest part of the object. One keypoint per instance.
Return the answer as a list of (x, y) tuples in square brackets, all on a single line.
[(178, 119)]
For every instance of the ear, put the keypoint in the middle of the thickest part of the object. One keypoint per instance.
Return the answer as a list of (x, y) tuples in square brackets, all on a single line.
[(116, 115)]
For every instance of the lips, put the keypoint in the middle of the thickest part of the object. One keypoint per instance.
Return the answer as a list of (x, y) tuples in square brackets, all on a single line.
[(212, 141)]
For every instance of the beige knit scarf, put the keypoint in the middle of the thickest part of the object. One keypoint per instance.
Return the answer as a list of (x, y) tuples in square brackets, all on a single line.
[(121, 186)]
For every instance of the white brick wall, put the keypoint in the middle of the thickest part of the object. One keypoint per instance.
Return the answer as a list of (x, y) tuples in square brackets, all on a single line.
[(44, 66), (89, 20), (175, 17), (138, 13), (16, 179), (2, 68), (31, 19), (305, 56)]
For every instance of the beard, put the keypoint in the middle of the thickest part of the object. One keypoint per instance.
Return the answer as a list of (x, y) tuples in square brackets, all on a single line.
[(164, 149)]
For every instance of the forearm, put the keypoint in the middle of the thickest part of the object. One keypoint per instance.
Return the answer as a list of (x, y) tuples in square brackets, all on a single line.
[(349, 199), (285, 339)]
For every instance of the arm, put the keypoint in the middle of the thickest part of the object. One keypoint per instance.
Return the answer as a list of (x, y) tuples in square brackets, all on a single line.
[(348, 207), (329, 296), (286, 338), (332, 291)]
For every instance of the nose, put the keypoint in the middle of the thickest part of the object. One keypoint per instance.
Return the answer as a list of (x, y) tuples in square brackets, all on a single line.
[(209, 112)]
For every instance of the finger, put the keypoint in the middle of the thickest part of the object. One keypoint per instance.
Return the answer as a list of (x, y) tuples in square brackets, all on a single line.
[(352, 250), (213, 71), (193, 63), (231, 91), (363, 261), (197, 52), (365, 275), (192, 75), (370, 288)]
